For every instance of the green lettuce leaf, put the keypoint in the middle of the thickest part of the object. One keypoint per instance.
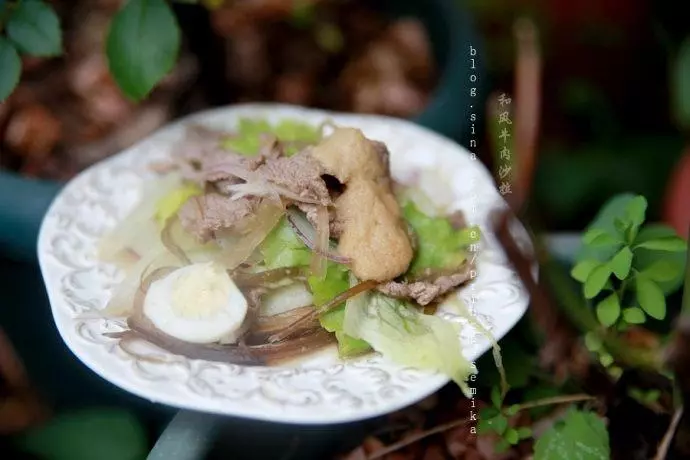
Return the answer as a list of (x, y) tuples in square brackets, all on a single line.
[(403, 334), (168, 205), (440, 246), (336, 281), (247, 139), (282, 248)]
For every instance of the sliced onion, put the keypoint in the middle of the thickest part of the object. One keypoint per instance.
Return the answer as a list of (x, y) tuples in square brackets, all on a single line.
[(266, 278), (137, 234), (168, 241), (239, 244), (306, 232)]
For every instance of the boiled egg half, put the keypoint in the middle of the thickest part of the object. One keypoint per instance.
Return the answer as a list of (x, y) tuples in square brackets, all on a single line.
[(198, 303)]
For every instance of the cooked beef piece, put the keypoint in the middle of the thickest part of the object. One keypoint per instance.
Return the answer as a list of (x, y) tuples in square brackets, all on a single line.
[(425, 292), (300, 173), (203, 215)]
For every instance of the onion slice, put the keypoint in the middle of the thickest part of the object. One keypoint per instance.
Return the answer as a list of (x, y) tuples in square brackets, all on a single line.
[(306, 232), (240, 243)]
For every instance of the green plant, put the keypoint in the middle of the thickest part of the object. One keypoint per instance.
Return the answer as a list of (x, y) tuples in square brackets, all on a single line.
[(27, 27), (143, 42), (625, 268)]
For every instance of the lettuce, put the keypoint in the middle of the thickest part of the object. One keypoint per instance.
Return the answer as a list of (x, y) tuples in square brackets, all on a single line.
[(168, 205), (336, 281), (282, 248), (439, 245), (247, 140), (405, 335)]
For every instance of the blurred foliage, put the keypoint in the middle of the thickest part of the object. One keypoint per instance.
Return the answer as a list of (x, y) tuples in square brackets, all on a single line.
[(97, 433)]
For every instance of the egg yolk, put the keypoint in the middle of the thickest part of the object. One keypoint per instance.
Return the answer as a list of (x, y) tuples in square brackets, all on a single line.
[(202, 292)]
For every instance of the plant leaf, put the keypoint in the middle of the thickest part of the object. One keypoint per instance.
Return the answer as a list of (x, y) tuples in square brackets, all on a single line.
[(644, 258), (34, 28), (608, 310), (633, 315), (499, 424), (593, 234), (651, 298), (524, 432), (596, 281), (636, 209), (11, 67), (662, 270), (604, 239), (511, 435), (593, 342), (105, 434), (496, 399), (582, 270), (669, 244), (621, 263), (581, 436), (142, 45)]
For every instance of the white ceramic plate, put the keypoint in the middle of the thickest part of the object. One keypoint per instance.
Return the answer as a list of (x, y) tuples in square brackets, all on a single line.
[(318, 390)]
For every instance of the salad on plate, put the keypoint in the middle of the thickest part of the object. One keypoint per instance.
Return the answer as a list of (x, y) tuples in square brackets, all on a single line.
[(262, 244)]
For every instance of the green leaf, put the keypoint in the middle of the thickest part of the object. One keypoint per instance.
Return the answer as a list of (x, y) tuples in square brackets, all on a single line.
[(582, 270), (621, 263), (680, 85), (633, 315), (636, 209), (596, 281), (645, 258), (670, 244), (603, 240), (11, 67), (512, 410), (283, 248), (496, 398), (499, 424), (524, 432), (142, 45), (605, 221), (593, 234), (488, 413), (105, 434), (608, 310), (439, 244), (511, 435), (622, 227), (35, 29), (651, 298), (662, 270), (593, 342), (579, 436), (606, 359)]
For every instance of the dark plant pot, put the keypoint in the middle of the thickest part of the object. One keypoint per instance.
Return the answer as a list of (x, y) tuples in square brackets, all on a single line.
[(23, 203)]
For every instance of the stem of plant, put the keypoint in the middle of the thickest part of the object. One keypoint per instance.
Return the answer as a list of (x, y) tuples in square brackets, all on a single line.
[(685, 309), (554, 400)]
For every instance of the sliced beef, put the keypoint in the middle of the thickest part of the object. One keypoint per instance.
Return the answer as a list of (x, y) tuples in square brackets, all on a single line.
[(204, 215), (300, 174), (425, 292)]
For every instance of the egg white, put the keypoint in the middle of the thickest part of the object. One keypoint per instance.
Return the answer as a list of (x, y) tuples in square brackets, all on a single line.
[(198, 303)]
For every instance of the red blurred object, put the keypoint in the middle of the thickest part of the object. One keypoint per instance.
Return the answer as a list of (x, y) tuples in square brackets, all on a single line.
[(677, 198)]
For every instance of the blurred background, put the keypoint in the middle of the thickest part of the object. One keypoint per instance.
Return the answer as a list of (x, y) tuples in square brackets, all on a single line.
[(615, 114), (608, 123)]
